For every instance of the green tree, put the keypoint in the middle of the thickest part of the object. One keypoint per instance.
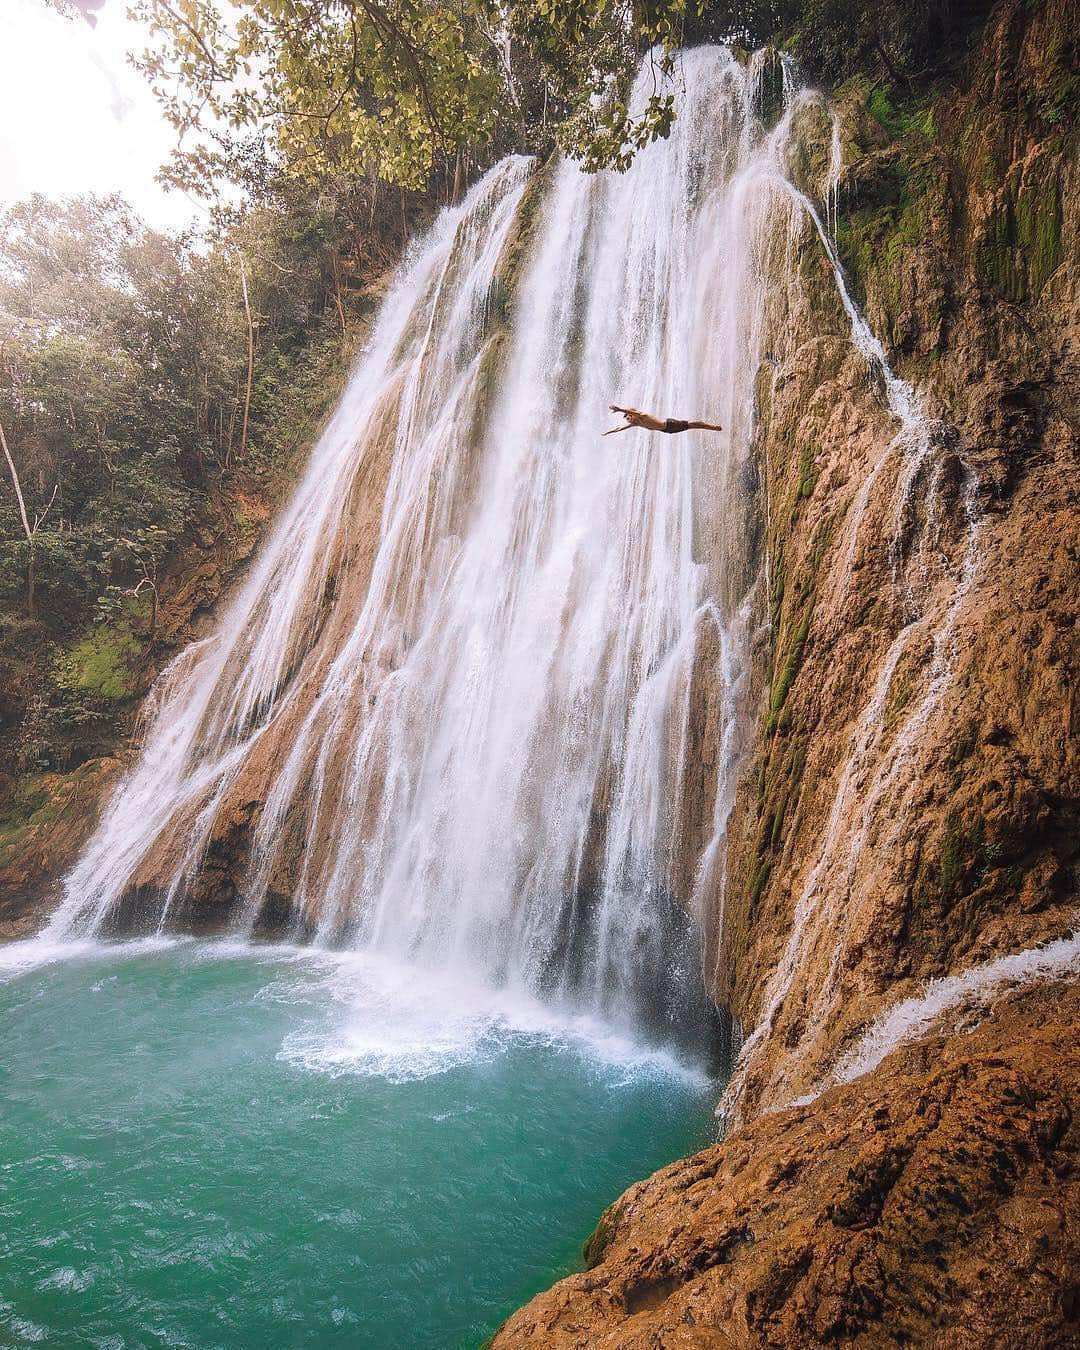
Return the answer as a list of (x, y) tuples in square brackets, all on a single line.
[(129, 363), (394, 89)]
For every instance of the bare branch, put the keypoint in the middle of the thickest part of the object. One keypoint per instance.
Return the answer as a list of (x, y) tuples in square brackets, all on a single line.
[(18, 488), (39, 519), (251, 354)]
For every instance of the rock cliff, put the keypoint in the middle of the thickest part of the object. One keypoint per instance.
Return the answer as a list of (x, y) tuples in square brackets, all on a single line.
[(930, 1203)]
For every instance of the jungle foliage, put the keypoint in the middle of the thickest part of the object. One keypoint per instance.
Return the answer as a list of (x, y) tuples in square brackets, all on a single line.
[(149, 384)]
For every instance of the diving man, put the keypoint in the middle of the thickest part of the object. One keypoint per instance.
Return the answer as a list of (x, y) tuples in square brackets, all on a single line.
[(671, 425)]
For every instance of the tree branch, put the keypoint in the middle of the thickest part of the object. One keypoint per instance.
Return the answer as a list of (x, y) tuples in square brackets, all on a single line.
[(18, 488), (251, 354)]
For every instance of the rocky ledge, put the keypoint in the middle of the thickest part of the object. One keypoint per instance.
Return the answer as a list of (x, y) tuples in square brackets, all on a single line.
[(934, 1202)]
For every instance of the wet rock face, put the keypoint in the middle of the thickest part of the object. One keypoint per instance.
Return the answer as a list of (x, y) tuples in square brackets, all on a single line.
[(34, 856), (912, 796), (936, 1202)]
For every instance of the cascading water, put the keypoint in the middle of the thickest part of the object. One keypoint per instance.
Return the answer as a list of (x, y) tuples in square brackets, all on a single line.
[(465, 744)]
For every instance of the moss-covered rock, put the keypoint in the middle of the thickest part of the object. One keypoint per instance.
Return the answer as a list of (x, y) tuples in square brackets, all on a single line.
[(100, 664)]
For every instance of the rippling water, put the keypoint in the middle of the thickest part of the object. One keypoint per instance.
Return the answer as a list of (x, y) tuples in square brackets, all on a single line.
[(213, 1144)]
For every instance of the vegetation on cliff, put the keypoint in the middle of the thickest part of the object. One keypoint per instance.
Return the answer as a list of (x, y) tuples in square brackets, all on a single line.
[(402, 91)]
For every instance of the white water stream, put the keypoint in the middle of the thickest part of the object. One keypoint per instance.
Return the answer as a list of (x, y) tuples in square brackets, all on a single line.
[(478, 759)]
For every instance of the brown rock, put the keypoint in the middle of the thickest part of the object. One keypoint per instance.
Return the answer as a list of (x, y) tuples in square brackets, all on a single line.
[(935, 1202)]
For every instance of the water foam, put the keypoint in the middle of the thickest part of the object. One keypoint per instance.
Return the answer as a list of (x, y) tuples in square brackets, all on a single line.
[(31, 954), (376, 1018), (484, 748), (479, 754)]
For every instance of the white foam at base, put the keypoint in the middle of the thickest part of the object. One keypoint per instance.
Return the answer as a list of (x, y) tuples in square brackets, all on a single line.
[(404, 1024), (29, 954)]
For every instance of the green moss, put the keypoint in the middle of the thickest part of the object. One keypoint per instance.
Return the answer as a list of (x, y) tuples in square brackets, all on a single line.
[(951, 861), (600, 1239), (970, 861), (995, 255), (900, 694), (760, 881), (880, 108), (1021, 246), (966, 855), (820, 541), (518, 247), (28, 799), (498, 302), (807, 477), (782, 686), (899, 121), (1060, 94), (1038, 231), (963, 747), (777, 829), (100, 664), (808, 161), (36, 802), (870, 234), (803, 599), (900, 211)]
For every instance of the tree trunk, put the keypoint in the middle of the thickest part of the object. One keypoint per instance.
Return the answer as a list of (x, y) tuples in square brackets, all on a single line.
[(890, 65), (15, 483), (232, 428), (25, 523), (250, 359), (335, 272)]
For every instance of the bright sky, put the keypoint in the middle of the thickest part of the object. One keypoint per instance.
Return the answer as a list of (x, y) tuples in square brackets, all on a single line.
[(74, 116)]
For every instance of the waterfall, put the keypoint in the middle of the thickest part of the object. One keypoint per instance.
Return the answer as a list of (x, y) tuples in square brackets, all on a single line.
[(471, 737)]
